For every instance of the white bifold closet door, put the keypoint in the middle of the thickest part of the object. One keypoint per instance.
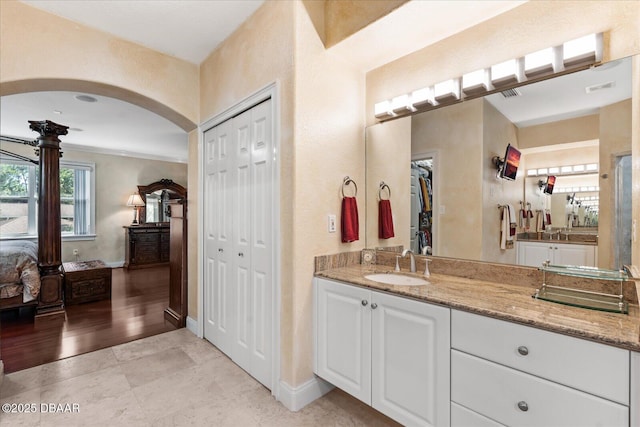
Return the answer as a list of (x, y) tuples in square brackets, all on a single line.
[(238, 205)]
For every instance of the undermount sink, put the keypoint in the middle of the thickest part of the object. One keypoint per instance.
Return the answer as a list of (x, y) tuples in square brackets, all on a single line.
[(396, 279)]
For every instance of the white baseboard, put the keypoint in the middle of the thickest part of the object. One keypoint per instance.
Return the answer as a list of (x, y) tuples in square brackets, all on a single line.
[(192, 325), (115, 264), (296, 398)]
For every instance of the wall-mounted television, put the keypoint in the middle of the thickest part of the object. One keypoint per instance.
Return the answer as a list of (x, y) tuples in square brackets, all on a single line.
[(548, 186), (511, 162)]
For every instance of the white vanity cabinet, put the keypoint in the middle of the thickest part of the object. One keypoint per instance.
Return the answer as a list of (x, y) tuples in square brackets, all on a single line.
[(510, 374), (534, 254), (390, 352)]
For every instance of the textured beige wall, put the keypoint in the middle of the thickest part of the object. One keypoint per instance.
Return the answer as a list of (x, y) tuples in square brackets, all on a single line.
[(346, 17), (584, 128), (116, 178), (525, 29), (389, 144), (497, 132), (192, 226), (40, 51), (455, 132), (329, 145), (615, 140)]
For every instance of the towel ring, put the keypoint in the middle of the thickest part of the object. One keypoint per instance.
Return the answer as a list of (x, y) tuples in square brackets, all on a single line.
[(346, 181), (383, 185)]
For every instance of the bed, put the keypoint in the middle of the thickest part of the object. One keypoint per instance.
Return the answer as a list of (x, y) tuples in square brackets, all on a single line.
[(19, 274)]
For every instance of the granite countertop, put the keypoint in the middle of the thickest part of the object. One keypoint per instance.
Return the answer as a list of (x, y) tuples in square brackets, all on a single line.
[(507, 302)]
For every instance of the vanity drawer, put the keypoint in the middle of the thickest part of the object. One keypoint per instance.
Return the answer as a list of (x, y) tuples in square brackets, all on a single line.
[(463, 417), (514, 398), (588, 366)]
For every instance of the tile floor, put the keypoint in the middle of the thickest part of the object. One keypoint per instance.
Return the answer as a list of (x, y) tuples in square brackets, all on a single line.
[(172, 379)]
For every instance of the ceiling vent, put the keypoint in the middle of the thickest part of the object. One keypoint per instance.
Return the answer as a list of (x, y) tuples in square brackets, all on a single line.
[(601, 86), (510, 93)]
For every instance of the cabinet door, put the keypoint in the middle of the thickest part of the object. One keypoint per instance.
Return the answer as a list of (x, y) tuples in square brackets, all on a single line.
[(534, 254), (343, 326), (567, 254), (410, 360)]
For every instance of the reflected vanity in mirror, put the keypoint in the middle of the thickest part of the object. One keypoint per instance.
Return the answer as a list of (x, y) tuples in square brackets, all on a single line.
[(575, 127)]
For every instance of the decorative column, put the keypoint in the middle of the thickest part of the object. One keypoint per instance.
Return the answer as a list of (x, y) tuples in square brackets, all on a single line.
[(49, 228)]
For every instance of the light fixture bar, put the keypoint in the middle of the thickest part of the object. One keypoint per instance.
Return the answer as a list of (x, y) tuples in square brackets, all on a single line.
[(576, 53), (582, 51), (447, 91)]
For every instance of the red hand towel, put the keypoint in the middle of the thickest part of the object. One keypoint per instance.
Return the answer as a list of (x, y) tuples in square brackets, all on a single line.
[(385, 220), (548, 215), (349, 220)]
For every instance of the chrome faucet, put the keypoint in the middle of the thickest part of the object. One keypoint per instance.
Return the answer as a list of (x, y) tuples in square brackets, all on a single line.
[(413, 259)]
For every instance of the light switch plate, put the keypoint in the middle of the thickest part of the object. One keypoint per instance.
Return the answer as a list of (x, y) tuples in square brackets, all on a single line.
[(332, 223)]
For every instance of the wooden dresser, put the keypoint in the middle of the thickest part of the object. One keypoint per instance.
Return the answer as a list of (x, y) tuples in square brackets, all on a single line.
[(146, 245)]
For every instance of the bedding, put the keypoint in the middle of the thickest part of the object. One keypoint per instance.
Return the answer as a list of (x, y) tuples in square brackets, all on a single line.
[(19, 270)]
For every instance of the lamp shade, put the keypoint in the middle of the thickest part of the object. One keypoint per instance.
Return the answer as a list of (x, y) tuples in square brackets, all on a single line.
[(135, 200)]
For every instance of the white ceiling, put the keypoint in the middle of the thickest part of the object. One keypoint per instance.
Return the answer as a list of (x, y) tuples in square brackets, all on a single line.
[(191, 30), (186, 29)]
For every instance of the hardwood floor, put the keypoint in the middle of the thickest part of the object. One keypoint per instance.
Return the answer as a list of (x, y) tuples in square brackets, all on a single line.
[(136, 310)]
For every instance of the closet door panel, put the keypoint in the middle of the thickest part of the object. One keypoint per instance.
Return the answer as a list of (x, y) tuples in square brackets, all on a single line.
[(219, 293), (262, 240)]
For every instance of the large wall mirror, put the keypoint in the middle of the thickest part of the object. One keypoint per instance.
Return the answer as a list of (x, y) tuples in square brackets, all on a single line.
[(157, 196), (447, 197)]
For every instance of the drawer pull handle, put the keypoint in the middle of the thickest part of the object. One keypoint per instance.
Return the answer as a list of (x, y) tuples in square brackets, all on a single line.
[(365, 302), (522, 405), (374, 306), (523, 350)]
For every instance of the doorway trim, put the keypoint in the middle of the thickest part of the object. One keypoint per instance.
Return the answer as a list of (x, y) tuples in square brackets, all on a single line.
[(271, 91)]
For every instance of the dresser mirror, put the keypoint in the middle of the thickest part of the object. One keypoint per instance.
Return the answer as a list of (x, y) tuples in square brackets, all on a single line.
[(578, 119), (157, 196)]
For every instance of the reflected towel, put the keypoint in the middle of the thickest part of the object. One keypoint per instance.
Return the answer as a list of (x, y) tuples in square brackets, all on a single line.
[(349, 220), (385, 220), (548, 217), (506, 239)]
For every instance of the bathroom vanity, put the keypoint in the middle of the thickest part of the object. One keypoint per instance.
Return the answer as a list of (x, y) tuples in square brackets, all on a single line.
[(534, 253), (460, 351)]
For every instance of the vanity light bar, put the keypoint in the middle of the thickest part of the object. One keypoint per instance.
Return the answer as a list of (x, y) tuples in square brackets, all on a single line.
[(578, 53), (589, 189), (564, 170)]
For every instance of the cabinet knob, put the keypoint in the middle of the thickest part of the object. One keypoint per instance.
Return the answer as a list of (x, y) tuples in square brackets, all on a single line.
[(374, 306), (365, 302), (555, 247), (240, 254), (522, 405), (550, 247), (523, 350), (220, 250)]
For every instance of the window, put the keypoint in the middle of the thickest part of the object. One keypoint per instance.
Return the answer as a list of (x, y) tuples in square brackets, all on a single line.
[(19, 199)]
